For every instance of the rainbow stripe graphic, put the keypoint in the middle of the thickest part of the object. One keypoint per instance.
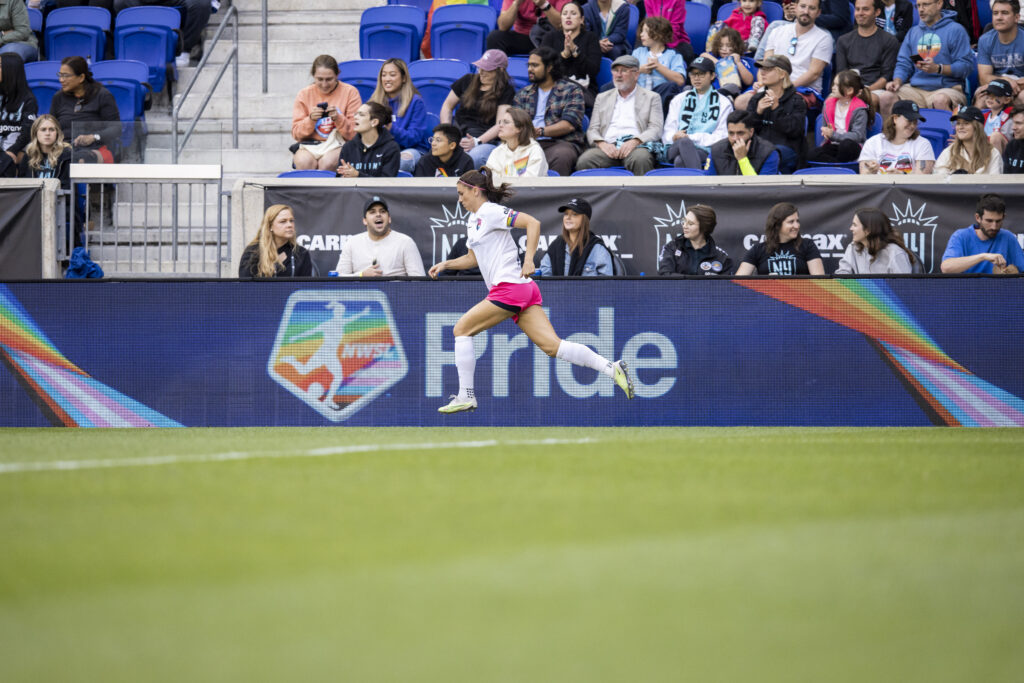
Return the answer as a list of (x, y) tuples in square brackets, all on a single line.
[(65, 393), (521, 164), (337, 351), (949, 393)]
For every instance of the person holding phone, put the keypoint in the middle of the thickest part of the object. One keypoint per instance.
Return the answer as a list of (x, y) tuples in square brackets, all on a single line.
[(323, 117)]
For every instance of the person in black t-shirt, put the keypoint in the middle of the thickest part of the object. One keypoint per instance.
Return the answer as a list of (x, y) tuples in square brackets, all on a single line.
[(1013, 155), (446, 158), (694, 252), (481, 97), (274, 252), (784, 251)]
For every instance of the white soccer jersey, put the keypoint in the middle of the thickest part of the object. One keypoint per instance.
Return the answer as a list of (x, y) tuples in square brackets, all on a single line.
[(488, 234)]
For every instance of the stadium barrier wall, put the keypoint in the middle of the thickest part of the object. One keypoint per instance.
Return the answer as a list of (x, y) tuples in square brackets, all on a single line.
[(28, 247), (637, 216), (753, 351)]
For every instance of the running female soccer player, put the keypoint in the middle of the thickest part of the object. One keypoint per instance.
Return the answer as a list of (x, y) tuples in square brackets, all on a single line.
[(511, 291)]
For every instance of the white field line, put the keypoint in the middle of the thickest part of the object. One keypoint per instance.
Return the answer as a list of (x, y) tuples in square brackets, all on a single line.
[(68, 465)]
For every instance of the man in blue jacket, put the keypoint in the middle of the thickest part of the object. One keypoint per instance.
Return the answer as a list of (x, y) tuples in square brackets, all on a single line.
[(933, 62)]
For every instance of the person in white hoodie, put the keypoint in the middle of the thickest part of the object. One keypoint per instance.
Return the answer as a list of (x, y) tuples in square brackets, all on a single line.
[(518, 155), (696, 118)]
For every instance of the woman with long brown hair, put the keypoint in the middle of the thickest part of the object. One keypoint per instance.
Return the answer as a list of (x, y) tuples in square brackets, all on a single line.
[(274, 251), (875, 247), (970, 151), (577, 251), (480, 98), (511, 292), (519, 154), (783, 251)]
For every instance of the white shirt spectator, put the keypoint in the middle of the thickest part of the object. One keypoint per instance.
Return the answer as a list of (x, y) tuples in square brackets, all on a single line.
[(395, 253), (815, 44), (623, 118)]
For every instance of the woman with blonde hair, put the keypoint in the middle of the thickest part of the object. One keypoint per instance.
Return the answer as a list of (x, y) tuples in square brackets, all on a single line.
[(274, 252), (47, 155), (519, 154), (971, 151), (409, 125)]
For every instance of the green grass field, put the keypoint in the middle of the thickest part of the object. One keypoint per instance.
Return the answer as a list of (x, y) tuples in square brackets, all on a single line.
[(611, 555)]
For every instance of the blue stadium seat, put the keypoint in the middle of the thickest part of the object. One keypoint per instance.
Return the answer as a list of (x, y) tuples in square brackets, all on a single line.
[(517, 71), (403, 174), (876, 126), (698, 21), (307, 174), (614, 170), (936, 118), (149, 35), (984, 14), (675, 171), (422, 4), (35, 20), (825, 170), (460, 31), (77, 31), (44, 92), (126, 81), (772, 11), (42, 71), (432, 121), (361, 74), (938, 138), (42, 80), (634, 22), (851, 165), (434, 79), (391, 31), (604, 74), (553, 174)]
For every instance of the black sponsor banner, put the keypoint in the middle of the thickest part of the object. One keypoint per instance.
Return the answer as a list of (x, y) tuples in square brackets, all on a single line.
[(637, 220), (20, 237)]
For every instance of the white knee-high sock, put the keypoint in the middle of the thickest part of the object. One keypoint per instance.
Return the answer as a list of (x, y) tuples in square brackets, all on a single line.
[(465, 362), (580, 354)]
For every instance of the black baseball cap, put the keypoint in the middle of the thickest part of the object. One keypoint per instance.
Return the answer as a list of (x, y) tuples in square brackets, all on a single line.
[(375, 200), (999, 88), (703, 64), (969, 114), (908, 110), (578, 205)]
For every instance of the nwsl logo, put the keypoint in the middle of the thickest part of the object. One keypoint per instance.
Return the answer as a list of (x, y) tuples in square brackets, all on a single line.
[(337, 351)]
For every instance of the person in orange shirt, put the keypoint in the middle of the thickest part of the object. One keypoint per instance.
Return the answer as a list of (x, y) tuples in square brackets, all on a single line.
[(323, 117)]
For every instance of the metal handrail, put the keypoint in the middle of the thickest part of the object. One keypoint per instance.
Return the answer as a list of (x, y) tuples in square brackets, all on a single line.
[(265, 20), (232, 59)]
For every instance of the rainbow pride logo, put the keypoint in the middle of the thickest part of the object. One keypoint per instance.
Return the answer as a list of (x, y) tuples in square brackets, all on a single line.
[(337, 351)]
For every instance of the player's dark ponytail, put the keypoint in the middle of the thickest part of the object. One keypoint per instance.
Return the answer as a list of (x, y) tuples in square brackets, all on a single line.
[(484, 179)]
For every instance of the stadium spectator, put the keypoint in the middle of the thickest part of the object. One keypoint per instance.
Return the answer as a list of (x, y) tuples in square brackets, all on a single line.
[(373, 152), (696, 118), (609, 19), (625, 118), (662, 69), (783, 251), (197, 16), (846, 114), (577, 252), (868, 49), (274, 251), (446, 159), (46, 155), (517, 20), (557, 106), (896, 18), (578, 50), (984, 247), (970, 151), (1001, 50), (966, 14), (899, 148), (726, 52), (875, 247), (18, 108), (87, 112), (834, 17), (808, 49), (518, 155), (997, 98), (480, 97), (675, 12), (780, 112), (323, 117), (409, 124), (935, 78), (1013, 155), (742, 152), (695, 252), (748, 20), (15, 31), (380, 251)]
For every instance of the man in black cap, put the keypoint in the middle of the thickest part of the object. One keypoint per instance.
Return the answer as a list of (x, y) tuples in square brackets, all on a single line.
[(696, 118), (380, 251)]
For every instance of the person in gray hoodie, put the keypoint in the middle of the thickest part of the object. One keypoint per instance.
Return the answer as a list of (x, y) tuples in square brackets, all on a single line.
[(373, 151), (933, 61)]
